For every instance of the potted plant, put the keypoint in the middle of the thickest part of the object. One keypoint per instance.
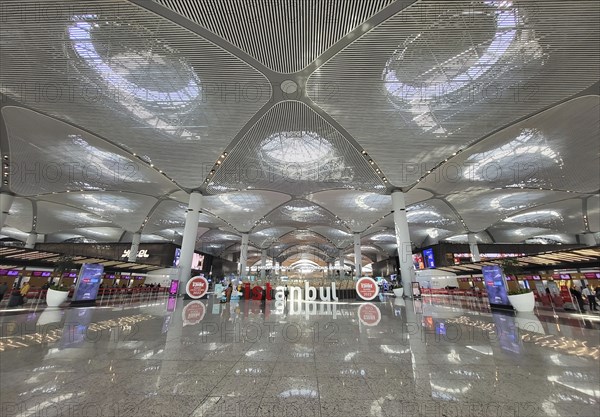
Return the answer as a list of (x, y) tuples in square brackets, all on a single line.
[(522, 300), (398, 291), (56, 295)]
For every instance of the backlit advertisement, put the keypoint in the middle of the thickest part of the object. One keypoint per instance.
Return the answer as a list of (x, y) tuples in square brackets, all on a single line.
[(197, 260), (495, 285), (429, 258), (88, 282)]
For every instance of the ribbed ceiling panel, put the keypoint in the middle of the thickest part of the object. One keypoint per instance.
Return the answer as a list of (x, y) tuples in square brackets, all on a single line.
[(556, 149), (20, 215), (123, 209), (293, 150), (243, 210), (285, 35), (47, 155), (339, 237), (356, 209), (480, 209), (301, 214), (54, 217), (265, 236), (437, 77), (563, 216), (131, 76)]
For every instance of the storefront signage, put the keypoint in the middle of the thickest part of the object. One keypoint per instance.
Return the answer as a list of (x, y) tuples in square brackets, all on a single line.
[(367, 288), (143, 253), (197, 287)]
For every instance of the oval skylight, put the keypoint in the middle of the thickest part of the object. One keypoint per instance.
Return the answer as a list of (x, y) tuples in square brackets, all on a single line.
[(296, 147)]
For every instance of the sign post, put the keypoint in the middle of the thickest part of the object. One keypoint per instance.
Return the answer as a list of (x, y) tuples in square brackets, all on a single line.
[(367, 289), (196, 288)]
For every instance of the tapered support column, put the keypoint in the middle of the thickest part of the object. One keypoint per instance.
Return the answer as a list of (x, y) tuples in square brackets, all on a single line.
[(6, 201), (357, 256), (474, 248), (135, 247), (188, 244), (31, 240), (341, 261), (244, 256), (263, 264), (587, 239), (403, 240)]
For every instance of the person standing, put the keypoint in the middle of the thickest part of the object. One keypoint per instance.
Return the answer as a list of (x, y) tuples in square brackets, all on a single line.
[(591, 297), (228, 292), (24, 291), (3, 288), (577, 294)]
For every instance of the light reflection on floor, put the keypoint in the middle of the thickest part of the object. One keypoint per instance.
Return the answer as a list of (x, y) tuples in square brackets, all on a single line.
[(391, 358)]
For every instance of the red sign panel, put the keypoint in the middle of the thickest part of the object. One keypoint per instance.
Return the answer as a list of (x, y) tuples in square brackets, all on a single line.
[(369, 314), (197, 287), (367, 288), (193, 313)]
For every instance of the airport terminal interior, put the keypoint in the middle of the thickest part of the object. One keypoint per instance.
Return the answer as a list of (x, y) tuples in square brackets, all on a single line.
[(300, 208)]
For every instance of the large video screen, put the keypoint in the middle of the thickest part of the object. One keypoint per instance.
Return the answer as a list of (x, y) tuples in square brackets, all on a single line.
[(429, 258), (494, 284), (197, 260), (88, 283), (418, 261)]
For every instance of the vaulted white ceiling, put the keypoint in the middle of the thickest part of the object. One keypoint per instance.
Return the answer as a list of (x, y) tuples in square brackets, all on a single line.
[(297, 119)]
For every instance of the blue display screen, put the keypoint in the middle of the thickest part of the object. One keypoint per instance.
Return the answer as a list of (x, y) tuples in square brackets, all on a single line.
[(494, 284), (88, 282), (428, 258)]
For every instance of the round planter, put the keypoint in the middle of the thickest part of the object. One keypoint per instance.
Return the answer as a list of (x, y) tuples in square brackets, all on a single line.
[(56, 298), (522, 302), (398, 292), (50, 315)]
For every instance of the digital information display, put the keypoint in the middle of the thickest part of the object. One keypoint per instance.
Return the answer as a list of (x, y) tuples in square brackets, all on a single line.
[(495, 286), (429, 258), (88, 283)]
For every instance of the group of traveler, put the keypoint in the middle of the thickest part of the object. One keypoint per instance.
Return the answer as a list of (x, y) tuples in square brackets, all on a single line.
[(590, 295)]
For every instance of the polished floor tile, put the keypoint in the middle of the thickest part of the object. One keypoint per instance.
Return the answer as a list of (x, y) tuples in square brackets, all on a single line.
[(304, 360)]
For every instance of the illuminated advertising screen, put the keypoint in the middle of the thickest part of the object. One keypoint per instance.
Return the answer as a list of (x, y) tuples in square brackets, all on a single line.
[(197, 260), (428, 258), (88, 283), (495, 286), (418, 261), (174, 287)]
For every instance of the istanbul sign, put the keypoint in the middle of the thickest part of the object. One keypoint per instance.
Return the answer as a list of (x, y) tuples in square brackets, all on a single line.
[(366, 289)]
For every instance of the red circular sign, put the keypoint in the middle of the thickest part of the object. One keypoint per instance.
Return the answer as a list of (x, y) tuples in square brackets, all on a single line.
[(197, 287), (193, 313), (369, 314), (367, 288)]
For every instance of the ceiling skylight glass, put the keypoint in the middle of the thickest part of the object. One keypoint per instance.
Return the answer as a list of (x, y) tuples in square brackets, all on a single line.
[(122, 65), (298, 147), (458, 71)]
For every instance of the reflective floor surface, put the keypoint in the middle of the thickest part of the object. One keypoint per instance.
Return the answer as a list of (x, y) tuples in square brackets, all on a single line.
[(390, 358)]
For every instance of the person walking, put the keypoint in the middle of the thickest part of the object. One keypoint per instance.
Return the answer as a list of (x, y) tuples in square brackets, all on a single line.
[(591, 297)]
